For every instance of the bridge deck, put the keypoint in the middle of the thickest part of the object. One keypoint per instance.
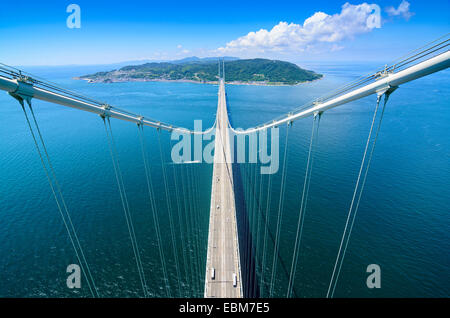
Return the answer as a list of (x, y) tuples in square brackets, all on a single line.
[(223, 248)]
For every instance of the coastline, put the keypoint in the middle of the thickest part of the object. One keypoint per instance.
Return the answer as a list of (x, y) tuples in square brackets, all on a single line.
[(92, 81)]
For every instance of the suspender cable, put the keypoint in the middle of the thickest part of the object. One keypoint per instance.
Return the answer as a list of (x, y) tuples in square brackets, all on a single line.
[(243, 170), (188, 228), (258, 260), (195, 226), (191, 232), (183, 247), (201, 217), (254, 223), (65, 216), (266, 228), (303, 204), (195, 169), (58, 187), (351, 216), (257, 226), (249, 231), (125, 204), (280, 208), (249, 228), (199, 232), (151, 195), (169, 211), (386, 96)]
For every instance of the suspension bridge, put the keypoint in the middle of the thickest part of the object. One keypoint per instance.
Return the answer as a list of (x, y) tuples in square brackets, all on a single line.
[(223, 277), (236, 244)]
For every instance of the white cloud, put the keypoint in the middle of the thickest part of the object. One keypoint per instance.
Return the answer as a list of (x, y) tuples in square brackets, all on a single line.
[(402, 10), (316, 31)]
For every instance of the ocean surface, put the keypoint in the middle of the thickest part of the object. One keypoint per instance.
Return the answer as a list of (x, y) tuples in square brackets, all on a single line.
[(403, 223)]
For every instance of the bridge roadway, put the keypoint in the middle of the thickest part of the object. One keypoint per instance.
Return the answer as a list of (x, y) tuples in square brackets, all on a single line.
[(223, 247)]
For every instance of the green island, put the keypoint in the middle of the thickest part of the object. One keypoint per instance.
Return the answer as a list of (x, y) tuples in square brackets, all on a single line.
[(246, 71)]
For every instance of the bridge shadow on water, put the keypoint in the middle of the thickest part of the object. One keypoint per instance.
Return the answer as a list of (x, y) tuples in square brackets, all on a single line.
[(247, 249), (248, 268)]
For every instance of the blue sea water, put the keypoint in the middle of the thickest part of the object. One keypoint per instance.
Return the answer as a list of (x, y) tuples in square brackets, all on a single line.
[(403, 223)]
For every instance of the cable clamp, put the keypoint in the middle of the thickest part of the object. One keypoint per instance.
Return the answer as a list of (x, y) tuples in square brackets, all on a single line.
[(106, 108), (24, 91), (386, 91)]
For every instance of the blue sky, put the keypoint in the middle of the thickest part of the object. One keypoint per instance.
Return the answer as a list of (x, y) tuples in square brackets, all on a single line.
[(35, 33)]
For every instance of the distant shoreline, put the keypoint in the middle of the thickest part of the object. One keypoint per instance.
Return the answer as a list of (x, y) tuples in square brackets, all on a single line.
[(92, 81), (257, 72)]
